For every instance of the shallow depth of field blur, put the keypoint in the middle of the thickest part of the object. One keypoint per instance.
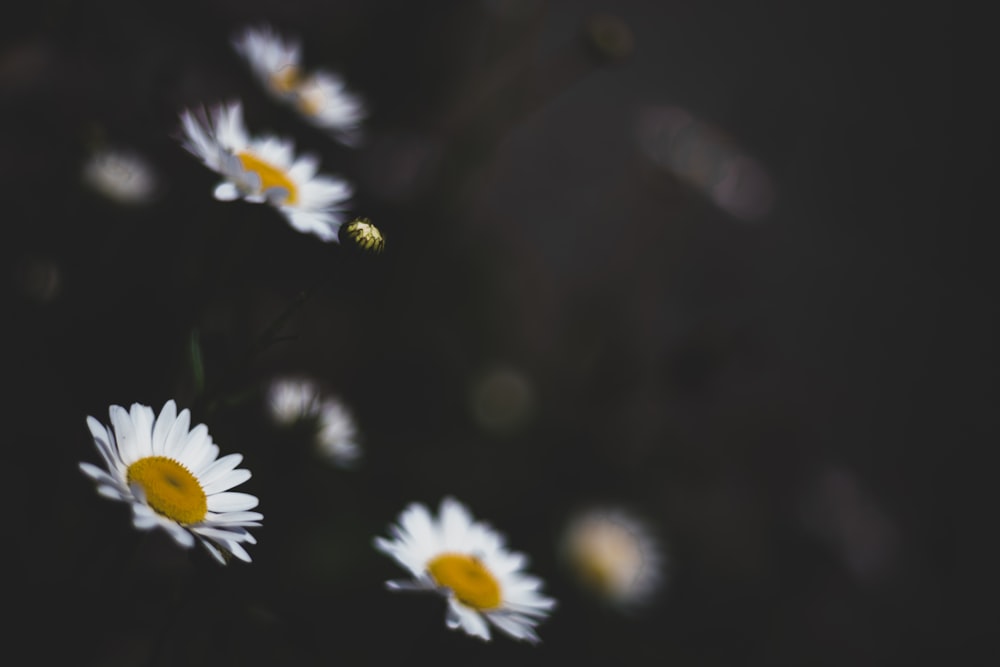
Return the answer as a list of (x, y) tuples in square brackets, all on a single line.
[(688, 260)]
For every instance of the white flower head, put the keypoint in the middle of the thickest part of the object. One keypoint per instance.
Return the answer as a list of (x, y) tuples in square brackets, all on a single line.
[(614, 556), (121, 175), (337, 435), (172, 477), (290, 399), (467, 562), (273, 59), (265, 169), (321, 97)]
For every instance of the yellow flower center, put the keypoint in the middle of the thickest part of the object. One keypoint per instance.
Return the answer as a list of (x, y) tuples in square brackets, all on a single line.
[(170, 489), (270, 176), (468, 579), (598, 574), (286, 79), (608, 558), (310, 101)]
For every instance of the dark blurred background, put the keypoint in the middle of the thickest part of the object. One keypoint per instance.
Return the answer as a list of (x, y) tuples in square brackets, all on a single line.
[(774, 370)]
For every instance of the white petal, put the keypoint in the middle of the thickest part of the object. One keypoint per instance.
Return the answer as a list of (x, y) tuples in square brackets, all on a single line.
[(144, 521), (114, 492), (416, 520), (275, 195), (236, 518), (304, 168), (95, 473), (226, 191), (177, 435), (472, 622), (452, 618), (218, 468), (197, 140), (163, 425), (216, 554), (237, 550), (124, 434), (539, 607), (231, 501), (222, 535), (407, 585), (142, 420), (227, 481), (323, 225), (193, 448), (104, 443), (508, 562), (202, 456), (514, 628), (455, 521), (380, 543), (180, 534)]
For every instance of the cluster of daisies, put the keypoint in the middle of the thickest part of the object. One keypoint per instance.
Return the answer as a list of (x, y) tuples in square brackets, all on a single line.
[(171, 474), (257, 168), (172, 477), (265, 168), (319, 96)]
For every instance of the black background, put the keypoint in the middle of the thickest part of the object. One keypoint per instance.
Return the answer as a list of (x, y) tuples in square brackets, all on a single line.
[(781, 399)]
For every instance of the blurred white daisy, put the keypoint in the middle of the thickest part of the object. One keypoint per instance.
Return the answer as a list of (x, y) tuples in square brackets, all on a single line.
[(274, 60), (290, 399), (324, 100), (614, 556), (466, 561), (319, 96), (120, 175), (172, 477), (265, 169), (337, 435)]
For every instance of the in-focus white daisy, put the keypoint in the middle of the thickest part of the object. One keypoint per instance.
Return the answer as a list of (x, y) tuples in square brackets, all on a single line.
[(320, 96), (265, 169), (614, 556), (121, 175), (291, 399), (337, 434), (172, 477), (466, 561)]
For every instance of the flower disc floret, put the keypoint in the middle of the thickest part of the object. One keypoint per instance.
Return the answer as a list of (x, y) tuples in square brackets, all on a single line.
[(468, 579), (170, 488)]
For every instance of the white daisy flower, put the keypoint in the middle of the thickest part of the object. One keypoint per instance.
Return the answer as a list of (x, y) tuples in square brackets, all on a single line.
[(466, 561), (273, 59), (324, 100), (321, 97), (337, 436), (265, 169), (290, 399), (172, 477), (614, 556), (120, 175)]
